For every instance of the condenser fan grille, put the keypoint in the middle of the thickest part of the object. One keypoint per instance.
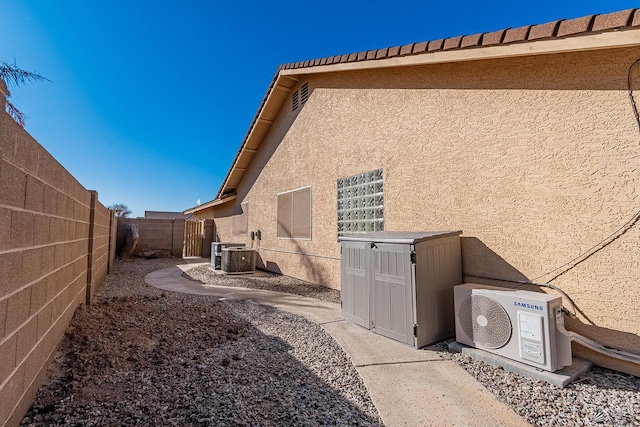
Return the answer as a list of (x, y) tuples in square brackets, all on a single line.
[(485, 321)]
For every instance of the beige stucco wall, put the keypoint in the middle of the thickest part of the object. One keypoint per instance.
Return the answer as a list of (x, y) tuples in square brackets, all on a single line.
[(535, 159)]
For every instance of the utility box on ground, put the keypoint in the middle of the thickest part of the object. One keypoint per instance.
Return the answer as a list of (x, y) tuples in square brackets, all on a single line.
[(238, 260), (216, 252), (400, 284)]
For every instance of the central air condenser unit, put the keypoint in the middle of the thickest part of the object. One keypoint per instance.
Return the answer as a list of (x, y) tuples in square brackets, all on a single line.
[(216, 252), (521, 325), (238, 260)]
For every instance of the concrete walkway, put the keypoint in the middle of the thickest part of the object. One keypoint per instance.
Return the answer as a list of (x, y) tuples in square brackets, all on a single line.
[(409, 387)]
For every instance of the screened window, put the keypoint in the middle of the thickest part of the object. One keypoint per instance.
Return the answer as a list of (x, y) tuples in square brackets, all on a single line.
[(294, 214), (361, 203), (240, 225)]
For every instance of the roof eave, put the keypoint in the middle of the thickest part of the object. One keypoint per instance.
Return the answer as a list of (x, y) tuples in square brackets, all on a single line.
[(443, 51), (210, 204), (585, 42)]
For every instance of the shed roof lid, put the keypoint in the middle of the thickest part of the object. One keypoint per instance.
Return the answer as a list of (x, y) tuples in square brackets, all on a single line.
[(406, 237)]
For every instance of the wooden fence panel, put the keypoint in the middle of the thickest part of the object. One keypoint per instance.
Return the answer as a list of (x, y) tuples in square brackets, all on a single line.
[(192, 239)]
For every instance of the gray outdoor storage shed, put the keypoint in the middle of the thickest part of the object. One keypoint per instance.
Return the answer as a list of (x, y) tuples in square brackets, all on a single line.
[(400, 284)]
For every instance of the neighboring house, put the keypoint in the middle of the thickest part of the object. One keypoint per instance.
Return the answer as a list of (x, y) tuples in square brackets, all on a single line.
[(523, 138)]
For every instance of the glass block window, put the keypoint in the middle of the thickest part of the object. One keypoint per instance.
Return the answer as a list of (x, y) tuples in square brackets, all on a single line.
[(361, 203)]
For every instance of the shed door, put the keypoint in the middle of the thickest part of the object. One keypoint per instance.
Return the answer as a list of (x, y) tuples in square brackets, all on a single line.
[(355, 276), (392, 301)]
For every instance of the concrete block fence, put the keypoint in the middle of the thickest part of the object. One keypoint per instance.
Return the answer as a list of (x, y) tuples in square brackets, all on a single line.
[(165, 235), (57, 244)]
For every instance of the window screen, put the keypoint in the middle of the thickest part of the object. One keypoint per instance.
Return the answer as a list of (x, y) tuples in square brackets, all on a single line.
[(294, 214), (241, 220), (361, 203)]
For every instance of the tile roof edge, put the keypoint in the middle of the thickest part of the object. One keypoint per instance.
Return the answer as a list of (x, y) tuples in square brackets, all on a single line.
[(557, 29)]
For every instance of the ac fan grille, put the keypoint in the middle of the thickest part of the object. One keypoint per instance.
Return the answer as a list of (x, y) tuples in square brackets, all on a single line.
[(485, 321)]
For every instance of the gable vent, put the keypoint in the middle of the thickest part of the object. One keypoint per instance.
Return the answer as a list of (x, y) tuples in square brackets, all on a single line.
[(304, 93), (294, 101)]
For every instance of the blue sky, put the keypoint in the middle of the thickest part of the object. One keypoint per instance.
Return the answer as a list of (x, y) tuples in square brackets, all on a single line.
[(150, 100)]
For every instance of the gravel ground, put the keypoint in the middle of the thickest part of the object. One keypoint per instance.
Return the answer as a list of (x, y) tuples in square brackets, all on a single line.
[(142, 356), (265, 280), (601, 397)]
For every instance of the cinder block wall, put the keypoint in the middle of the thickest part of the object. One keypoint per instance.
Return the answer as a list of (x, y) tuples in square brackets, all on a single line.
[(100, 248), (166, 235), (45, 224)]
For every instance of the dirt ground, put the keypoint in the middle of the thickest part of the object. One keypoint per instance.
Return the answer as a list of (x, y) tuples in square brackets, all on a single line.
[(142, 356)]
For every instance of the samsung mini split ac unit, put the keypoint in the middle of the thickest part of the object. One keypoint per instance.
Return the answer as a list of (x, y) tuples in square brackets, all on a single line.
[(521, 325)]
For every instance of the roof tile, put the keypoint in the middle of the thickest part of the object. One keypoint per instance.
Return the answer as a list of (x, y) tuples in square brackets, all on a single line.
[(406, 49), (435, 45), (353, 57), (543, 31), (381, 53), (495, 37), (371, 54), (516, 34), (472, 40), (575, 26), (452, 42), (420, 47), (323, 61), (344, 58), (394, 51), (362, 56), (613, 20)]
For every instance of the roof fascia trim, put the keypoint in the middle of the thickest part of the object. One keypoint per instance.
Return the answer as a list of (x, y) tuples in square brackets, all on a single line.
[(583, 42), (605, 40), (275, 85), (210, 204)]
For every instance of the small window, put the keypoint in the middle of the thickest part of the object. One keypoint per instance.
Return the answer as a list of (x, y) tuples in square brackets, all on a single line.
[(240, 226), (294, 214), (361, 203)]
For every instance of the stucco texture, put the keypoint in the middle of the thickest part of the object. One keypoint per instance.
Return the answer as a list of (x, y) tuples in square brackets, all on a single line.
[(535, 159)]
